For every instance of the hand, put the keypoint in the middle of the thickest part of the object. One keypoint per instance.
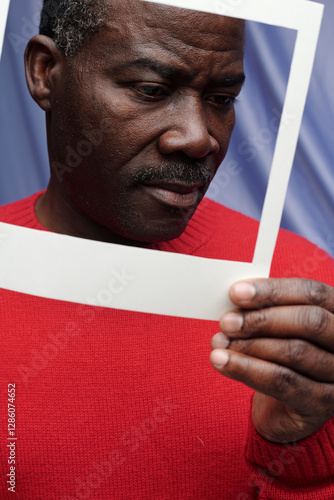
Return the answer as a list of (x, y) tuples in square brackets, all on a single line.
[(281, 343)]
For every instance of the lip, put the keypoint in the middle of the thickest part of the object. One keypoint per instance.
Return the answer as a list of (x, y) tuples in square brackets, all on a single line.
[(175, 195)]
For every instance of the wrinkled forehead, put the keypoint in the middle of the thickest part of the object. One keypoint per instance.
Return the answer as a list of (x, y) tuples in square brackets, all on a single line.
[(213, 30)]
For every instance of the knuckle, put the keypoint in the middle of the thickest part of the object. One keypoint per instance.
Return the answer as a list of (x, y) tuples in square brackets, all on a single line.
[(297, 350), (326, 400), (237, 345), (283, 379), (255, 321), (315, 319), (325, 362), (316, 292), (273, 293), (242, 346)]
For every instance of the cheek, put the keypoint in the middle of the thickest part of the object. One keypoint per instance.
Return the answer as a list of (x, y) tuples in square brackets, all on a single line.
[(223, 131), (230, 126)]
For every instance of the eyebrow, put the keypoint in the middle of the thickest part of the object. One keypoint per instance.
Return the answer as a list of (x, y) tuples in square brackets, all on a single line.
[(167, 71), (231, 80), (156, 66)]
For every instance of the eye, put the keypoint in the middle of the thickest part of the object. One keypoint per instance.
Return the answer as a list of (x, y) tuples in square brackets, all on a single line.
[(151, 92), (222, 101)]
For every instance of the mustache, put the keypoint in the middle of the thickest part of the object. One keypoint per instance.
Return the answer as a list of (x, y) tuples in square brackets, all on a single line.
[(187, 173)]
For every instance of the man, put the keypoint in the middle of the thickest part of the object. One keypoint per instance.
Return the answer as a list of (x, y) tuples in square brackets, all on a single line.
[(120, 405)]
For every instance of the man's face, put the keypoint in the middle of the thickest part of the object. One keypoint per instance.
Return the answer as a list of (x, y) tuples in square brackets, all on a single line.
[(160, 84)]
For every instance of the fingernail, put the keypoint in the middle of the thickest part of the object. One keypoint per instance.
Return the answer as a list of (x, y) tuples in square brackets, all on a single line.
[(219, 358), (232, 322), (220, 341), (243, 291)]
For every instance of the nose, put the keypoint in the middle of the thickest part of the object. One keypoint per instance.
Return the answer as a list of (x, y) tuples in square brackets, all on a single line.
[(187, 131)]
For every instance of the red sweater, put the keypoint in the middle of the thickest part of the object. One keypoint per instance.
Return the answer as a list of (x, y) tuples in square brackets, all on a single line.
[(122, 405)]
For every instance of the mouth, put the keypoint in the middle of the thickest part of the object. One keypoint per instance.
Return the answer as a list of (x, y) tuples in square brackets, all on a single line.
[(176, 195)]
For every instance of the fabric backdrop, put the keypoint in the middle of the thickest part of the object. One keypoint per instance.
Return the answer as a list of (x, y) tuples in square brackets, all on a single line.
[(241, 181)]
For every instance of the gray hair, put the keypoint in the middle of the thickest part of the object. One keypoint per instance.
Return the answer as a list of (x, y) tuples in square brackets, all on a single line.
[(70, 22)]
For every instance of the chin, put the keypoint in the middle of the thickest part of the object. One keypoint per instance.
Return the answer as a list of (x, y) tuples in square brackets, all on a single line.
[(159, 236), (157, 233)]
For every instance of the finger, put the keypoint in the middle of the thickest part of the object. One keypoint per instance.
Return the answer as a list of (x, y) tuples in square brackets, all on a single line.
[(311, 323), (298, 355), (220, 341), (297, 391), (259, 293)]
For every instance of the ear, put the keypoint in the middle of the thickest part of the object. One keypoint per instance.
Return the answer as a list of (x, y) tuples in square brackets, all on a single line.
[(43, 63)]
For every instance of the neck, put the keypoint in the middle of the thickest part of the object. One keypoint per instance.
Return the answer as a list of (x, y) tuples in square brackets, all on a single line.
[(57, 212)]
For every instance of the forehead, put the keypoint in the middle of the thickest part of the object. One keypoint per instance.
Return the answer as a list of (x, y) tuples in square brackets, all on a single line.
[(138, 24)]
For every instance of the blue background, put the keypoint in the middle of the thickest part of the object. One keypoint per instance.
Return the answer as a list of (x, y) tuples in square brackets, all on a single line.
[(241, 181)]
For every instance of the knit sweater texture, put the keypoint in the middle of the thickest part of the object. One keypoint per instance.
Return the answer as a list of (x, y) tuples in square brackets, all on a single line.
[(123, 405)]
